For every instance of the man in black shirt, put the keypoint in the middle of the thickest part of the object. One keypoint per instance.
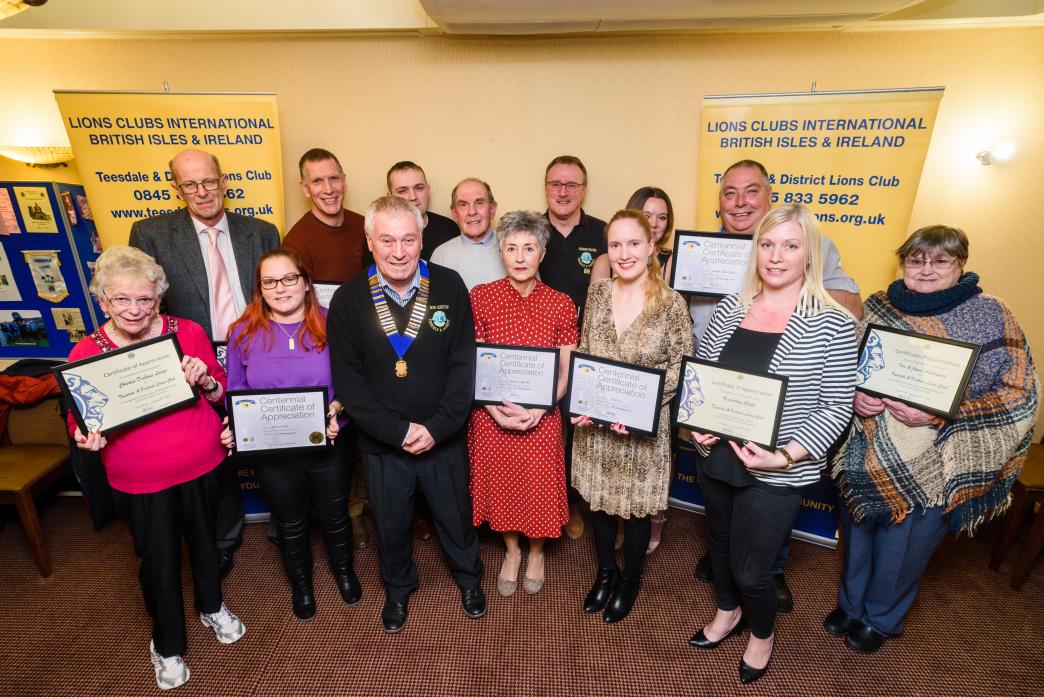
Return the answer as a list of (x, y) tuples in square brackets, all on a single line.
[(576, 238), (402, 352), (406, 179), (576, 241)]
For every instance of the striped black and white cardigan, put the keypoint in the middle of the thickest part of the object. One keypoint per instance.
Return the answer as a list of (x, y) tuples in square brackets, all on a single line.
[(818, 353)]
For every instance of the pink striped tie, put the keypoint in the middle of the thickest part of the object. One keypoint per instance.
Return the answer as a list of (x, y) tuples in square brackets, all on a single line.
[(224, 309)]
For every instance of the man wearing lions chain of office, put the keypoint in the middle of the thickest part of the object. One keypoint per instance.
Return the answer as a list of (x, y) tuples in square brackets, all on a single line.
[(402, 353)]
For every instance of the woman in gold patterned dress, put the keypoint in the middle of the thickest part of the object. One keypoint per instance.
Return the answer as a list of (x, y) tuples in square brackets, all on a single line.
[(636, 318)]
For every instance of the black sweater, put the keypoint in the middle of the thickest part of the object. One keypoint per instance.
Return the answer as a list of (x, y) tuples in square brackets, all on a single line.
[(438, 389)]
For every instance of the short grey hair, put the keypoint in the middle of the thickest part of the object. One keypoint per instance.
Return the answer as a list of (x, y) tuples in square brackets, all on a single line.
[(391, 204), (934, 239), (124, 261), (524, 223)]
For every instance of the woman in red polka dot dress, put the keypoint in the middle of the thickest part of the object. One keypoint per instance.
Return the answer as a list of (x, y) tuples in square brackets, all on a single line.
[(517, 461)]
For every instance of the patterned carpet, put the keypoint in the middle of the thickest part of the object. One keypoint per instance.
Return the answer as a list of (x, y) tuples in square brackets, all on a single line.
[(84, 630)]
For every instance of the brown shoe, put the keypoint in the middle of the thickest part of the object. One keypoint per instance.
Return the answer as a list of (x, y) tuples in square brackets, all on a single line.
[(421, 528), (360, 538), (575, 527)]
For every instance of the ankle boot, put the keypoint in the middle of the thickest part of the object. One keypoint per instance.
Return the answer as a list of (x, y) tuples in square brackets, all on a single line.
[(339, 550), (623, 600), (601, 591)]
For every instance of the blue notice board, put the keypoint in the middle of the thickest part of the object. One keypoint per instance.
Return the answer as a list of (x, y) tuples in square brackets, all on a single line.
[(49, 244)]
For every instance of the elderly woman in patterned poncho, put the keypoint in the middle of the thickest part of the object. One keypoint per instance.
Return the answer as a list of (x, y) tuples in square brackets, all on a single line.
[(909, 477)]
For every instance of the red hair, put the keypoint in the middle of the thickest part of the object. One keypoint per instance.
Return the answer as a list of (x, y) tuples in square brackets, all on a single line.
[(255, 319)]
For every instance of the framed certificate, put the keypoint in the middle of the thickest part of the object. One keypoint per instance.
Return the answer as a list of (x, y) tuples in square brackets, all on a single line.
[(611, 392), (521, 374), (288, 418), (324, 291), (711, 264), (129, 385), (926, 372), (220, 352), (731, 403)]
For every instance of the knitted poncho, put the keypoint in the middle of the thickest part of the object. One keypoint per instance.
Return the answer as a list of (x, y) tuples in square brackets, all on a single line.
[(885, 468)]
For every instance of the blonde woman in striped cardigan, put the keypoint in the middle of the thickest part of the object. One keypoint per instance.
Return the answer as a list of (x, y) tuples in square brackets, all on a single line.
[(783, 322)]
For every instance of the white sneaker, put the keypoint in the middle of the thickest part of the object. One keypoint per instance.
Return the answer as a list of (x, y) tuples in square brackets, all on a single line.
[(170, 672), (227, 627)]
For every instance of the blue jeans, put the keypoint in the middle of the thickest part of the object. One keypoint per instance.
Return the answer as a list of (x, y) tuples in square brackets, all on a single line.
[(884, 563)]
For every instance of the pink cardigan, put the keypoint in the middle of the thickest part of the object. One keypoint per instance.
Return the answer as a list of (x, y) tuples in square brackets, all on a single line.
[(174, 448)]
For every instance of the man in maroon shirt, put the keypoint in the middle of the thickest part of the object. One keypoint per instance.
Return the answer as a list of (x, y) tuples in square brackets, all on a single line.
[(329, 238)]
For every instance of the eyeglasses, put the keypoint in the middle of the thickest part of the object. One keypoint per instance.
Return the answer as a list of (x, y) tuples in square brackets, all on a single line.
[(122, 303), (568, 186), (288, 280), (937, 264), (193, 187)]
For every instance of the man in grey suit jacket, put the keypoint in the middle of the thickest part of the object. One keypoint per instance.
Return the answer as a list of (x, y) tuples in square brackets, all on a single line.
[(179, 242)]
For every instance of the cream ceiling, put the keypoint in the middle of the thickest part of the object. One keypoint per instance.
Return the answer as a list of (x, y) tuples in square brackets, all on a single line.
[(511, 17)]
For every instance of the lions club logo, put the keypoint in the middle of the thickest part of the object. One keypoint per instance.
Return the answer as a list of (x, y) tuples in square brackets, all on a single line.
[(438, 321), (585, 259)]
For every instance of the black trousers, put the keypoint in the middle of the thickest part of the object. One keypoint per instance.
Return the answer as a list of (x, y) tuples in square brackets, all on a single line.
[(229, 523), (442, 474), (157, 523), (294, 485), (747, 525)]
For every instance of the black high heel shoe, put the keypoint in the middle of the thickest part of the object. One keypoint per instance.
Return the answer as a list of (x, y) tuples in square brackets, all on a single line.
[(700, 640), (748, 675)]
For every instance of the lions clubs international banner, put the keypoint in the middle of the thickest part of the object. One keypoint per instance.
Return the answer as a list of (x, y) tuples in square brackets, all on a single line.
[(123, 142)]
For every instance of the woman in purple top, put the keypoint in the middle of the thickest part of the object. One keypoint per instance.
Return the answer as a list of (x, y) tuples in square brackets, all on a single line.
[(280, 341)]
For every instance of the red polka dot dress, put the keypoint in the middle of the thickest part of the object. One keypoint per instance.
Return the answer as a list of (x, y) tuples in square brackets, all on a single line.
[(518, 478)]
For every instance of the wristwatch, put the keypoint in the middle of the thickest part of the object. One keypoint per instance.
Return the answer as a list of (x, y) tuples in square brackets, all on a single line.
[(785, 454), (214, 384)]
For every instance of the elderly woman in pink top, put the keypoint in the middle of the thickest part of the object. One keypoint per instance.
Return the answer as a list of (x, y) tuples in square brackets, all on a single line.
[(163, 471)]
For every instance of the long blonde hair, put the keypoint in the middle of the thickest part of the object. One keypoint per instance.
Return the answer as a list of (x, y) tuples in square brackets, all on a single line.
[(813, 297), (657, 292)]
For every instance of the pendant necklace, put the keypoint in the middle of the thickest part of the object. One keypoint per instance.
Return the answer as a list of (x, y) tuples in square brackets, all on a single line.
[(289, 337)]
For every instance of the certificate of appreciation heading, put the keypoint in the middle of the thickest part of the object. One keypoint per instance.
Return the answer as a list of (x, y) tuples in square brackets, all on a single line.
[(711, 264), (522, 375), (122, 387), (278, 419), (609, 392), (926, 372)]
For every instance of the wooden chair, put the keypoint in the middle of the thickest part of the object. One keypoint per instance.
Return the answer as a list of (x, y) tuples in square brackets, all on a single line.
[(33, 456), (1026, 494)]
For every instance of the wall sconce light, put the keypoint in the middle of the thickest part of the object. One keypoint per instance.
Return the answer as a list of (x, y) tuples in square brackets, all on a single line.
[(9, 8), (1001, 152), (38, 156)]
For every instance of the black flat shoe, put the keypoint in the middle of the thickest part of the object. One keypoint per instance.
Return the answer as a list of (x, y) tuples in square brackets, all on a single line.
[(394, 616), (351, 589), (864, 638), (838, 623), (622, 602), (598, 597), (748, 675), (704, 571), (303, 599), (474, 602), (700, 640), (784, 598)]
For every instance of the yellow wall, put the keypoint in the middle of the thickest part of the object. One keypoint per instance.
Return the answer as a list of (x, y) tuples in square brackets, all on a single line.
[(501, 108), (12, 170)]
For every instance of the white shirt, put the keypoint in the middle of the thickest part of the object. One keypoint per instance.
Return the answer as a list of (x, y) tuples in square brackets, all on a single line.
[(224, 245)]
